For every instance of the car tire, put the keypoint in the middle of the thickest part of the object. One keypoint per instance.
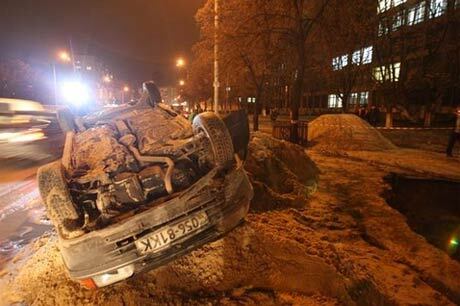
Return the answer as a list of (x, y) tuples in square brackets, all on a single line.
[(57, 199), (218, 135), (66, 120)]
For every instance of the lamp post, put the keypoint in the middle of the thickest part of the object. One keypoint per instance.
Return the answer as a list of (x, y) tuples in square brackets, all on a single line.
[(216, 54), (64, 57), (180, 62), (124, 90)]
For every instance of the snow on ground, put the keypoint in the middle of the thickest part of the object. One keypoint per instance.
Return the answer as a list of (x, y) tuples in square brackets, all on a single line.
[(340, 245)]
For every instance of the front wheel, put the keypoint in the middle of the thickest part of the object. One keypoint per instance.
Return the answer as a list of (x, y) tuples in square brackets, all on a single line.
[(218, 135)]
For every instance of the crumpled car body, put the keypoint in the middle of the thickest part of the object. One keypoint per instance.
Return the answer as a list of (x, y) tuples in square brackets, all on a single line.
[(139, 185)]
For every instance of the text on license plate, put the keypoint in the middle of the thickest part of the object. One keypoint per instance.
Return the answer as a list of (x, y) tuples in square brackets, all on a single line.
[(165, 236)]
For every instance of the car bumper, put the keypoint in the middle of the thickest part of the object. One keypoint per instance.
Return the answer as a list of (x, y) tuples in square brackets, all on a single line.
[(110, 255)]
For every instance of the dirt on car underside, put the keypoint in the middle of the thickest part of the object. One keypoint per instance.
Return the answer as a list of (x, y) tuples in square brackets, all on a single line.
[(125, 159)]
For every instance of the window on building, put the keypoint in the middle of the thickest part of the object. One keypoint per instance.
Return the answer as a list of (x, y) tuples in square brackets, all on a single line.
[(367, 55), (385, 5), (398, 21), (398, 2), (334, 101), (364, 98), (387, 73), (416, 14), (356, 57), (339, 62), (437, 8), (383, 27), (336, 63), (344, 60), (353, 98), (378, 73), (251, 100), (396, 71)]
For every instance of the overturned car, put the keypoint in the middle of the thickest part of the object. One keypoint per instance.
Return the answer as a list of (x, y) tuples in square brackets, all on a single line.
[(139, 185)]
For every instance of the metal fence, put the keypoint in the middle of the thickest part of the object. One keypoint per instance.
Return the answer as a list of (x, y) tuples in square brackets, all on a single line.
[(282, 130)]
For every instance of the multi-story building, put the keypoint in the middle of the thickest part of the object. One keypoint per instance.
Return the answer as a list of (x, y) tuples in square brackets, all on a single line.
[(410, 61)]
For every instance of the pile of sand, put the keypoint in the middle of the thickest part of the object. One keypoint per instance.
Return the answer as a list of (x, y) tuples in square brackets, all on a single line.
[(345, 132), (281, 173)]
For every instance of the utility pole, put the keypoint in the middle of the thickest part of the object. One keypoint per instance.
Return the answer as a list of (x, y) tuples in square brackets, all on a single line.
[(216, 58), (53, 65), (72, 55)]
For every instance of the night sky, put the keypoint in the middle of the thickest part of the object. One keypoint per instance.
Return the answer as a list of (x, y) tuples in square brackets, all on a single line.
[(138, 39)]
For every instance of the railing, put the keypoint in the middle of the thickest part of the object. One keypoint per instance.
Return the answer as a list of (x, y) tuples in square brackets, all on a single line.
[(282, 130)]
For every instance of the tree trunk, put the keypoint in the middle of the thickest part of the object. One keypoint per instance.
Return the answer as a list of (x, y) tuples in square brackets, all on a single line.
[(255, 115), (255, 118), (389, 117), (427, 119), (345, 98), (297, 93)]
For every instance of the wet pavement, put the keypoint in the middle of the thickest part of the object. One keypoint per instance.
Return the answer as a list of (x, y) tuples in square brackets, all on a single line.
[(22, 217)]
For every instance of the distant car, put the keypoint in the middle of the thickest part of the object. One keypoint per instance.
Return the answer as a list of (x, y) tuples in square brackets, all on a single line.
[(16, 113), (139, 185), (22, 124)]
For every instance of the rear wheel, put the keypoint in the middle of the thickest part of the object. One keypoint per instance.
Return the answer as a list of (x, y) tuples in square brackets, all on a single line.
[(218, 135)]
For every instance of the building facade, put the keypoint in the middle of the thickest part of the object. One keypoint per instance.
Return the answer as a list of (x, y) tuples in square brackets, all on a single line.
[(410, 62)]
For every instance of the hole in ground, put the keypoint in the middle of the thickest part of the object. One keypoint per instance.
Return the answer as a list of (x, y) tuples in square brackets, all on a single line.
[(432, 208)]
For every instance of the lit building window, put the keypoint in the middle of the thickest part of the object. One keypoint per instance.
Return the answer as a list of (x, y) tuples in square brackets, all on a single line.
[(383, 27), (339, 62), (416, 14), (336, 63), (356, 57), (367, 55), (334, 101), (385, 5), (398, 20), (362, 56), (398, 2), (395, 72), (387, 73), (353, 98), (364, 98), (344, 60), (251, 100), (437, 8)]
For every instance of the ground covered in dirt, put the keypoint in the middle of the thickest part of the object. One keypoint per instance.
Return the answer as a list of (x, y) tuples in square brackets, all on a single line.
[(342, 244)]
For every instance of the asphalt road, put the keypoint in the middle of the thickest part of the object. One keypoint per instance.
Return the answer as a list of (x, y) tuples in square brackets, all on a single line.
[(21, 213)]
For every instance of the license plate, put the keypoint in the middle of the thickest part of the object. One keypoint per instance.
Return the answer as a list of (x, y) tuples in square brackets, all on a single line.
[(163, 238)]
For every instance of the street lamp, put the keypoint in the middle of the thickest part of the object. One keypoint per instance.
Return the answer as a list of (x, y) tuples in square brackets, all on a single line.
[(180, 62), (181, 82), (124, 90), (106, 79), (64, 57)]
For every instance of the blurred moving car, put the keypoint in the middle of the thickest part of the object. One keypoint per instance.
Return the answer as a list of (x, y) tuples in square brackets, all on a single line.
[(139, 185), (22, 129), (22, 113)]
